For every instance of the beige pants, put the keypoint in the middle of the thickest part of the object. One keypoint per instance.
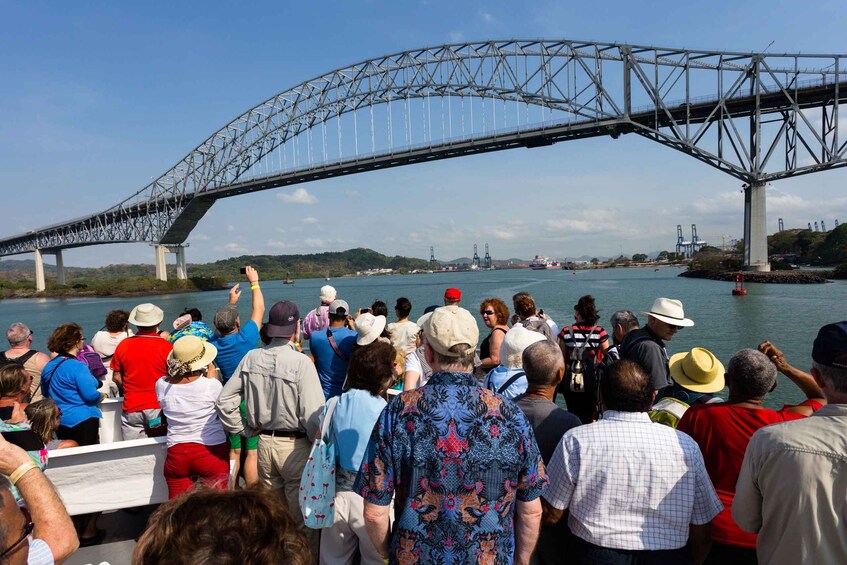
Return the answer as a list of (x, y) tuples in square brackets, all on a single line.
[(281, 463), (338, 542)]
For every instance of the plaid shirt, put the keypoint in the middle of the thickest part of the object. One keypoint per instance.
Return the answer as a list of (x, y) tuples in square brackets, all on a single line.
[(459, 457), (631, 484)]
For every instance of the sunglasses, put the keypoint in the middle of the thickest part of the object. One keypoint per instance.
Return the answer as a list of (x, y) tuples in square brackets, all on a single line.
[(28, 527), (488, 312)]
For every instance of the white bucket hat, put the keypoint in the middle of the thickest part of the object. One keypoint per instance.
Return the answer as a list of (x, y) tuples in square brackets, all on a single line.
[(516, 340), (190, 353), (146, 315), (669, 311), (369, 327)]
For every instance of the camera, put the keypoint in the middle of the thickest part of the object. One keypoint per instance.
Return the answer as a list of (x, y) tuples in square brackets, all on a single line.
[(243, 270)]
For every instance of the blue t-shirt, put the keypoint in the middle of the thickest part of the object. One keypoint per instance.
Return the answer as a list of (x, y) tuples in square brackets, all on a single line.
[(500, 375), (74, 389), (233, 347), (331, 368)]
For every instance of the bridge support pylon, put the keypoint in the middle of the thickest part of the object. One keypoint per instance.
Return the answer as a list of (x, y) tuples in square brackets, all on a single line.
[(60, 267), (161, 263), (755, 228), (39, 272)]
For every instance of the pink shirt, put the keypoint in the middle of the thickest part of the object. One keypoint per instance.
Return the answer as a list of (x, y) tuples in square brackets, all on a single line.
[(315, 320)]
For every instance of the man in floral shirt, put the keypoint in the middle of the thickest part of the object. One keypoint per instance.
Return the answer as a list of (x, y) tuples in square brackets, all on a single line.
[(461, 460)]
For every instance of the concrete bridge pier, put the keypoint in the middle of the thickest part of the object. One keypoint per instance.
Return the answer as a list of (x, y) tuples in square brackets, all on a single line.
[(60, 267), (755, 228), (161, 263), (39, 272)]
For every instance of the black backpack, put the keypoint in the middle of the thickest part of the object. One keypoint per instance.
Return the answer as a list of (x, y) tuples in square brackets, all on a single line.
[(581, 365), (5, 361)]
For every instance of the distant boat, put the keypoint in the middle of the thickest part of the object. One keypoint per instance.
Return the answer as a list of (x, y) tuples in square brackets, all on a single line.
[(541, 263), (287, 279), (326, 278)]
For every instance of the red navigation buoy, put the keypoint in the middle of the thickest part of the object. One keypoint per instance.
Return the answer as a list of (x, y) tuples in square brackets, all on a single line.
[(739, 289)]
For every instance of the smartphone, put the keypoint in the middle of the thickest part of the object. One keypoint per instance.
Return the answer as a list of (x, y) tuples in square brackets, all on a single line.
[(6, 412), (243, 270), (364, 310), (25, 439)]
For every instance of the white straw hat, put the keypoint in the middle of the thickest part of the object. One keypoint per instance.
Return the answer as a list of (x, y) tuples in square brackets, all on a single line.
[(146, 315), (369, 327), (669, 311)]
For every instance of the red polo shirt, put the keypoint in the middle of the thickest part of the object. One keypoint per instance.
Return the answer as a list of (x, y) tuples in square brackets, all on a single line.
[(141, 360), (723, 431)]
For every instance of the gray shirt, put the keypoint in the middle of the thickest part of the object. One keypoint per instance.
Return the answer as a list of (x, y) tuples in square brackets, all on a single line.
[(548, 421), (648, 351), (791, 489), (280, 389)]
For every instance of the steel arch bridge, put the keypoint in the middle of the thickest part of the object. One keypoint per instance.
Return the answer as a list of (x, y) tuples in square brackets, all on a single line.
[(757, 117)]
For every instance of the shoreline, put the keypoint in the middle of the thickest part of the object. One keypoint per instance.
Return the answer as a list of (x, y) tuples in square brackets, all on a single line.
[(772, 277)]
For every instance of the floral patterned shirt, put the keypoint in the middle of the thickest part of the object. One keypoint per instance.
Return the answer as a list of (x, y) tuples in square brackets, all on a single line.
[(457, 456)]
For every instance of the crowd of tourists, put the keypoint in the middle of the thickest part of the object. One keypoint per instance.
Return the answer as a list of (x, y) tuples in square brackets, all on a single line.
[(537, 444)]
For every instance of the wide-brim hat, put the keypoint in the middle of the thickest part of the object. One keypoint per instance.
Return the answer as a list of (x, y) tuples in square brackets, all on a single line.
[(369, 328), (669, 311), (697, 370), (146, 315), (193, 353), (516, 340)]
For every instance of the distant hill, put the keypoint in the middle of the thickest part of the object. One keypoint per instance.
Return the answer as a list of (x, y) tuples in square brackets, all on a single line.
[(334, 264)]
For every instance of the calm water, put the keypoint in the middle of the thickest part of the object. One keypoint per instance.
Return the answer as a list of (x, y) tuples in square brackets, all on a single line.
[(788, 315)]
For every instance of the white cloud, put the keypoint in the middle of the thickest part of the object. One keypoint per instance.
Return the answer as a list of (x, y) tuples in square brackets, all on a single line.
[(232, 247), (488, 19), (456, 36), (299, 196), (276, 244), (351, 192), (199, 237), (230, 228), (314, 242), (310, 220)]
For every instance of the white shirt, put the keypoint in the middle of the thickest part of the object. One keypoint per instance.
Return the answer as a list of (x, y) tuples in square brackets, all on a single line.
[(404, 335), (190, 411), (631, 484), (413, 363)]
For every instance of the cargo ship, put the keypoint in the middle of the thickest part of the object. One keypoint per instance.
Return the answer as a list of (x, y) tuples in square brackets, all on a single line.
[(541, 263)]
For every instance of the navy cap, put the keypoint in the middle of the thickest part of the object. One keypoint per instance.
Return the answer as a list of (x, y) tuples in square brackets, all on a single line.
[(283, 319), (830, 346)]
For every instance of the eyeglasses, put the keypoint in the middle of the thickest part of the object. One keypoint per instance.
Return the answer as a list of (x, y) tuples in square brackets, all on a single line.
[(28, 527), (488, 312)]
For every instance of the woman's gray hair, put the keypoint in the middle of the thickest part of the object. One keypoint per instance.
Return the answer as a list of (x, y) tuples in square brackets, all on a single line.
[(751, 374)]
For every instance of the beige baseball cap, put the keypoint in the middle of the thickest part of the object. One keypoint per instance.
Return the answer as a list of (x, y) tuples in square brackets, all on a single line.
[(449, 326)]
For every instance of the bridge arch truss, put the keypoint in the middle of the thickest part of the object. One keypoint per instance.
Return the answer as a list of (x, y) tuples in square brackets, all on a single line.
[(757, 117)]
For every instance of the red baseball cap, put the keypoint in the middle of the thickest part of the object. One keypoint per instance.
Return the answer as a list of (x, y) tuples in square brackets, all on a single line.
[(452, 294)]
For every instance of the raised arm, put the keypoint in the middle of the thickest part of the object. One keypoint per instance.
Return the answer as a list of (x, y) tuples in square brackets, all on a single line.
[(258, 310), (804, 381)]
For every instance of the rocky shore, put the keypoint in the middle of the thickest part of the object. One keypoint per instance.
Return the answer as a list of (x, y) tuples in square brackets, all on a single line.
[(773, 277)]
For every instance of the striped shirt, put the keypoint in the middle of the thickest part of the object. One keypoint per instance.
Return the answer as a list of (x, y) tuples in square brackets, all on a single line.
[(582, 332), (631, 484)]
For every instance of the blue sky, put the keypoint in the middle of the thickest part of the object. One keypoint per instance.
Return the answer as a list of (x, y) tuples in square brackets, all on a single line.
[(97, 98)]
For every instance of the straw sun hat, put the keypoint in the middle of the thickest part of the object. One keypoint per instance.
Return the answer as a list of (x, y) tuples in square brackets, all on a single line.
[(697, 370), (190, 353)]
